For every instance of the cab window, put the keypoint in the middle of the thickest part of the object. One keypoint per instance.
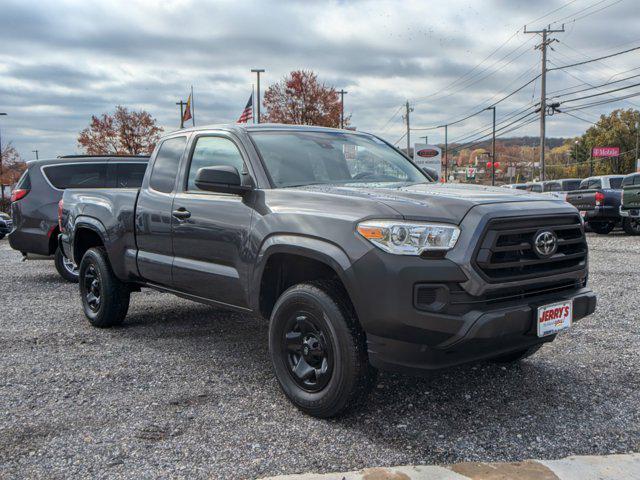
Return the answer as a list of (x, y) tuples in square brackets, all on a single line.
[(165, 167), (210, 152)]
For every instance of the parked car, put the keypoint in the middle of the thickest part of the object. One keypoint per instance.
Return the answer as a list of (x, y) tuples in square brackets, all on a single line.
[(598, 200), (34, 201), (630, 204), (535, 187), (359, 260), (5, 224), (516, 186)]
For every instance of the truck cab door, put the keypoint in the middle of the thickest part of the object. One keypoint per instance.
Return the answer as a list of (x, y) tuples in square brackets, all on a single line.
[(211, 235), (154, 213)]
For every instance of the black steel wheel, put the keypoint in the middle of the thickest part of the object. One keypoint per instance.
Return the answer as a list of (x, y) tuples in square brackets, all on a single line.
[(105, 299), (318, 349), (309, 351)]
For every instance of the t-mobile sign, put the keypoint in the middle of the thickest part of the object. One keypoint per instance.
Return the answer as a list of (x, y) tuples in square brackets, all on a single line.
[(597, 152)]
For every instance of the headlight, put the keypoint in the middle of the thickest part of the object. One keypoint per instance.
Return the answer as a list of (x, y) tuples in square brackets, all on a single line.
[(409, 238)]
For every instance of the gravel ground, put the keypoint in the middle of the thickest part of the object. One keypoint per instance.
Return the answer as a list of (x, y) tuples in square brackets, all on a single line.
[(184, 390)]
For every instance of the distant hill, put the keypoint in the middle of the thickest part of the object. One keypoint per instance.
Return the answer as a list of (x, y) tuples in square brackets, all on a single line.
[(551, 142)]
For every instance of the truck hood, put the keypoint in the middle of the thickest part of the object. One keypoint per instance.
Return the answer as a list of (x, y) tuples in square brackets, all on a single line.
[(435, 201)]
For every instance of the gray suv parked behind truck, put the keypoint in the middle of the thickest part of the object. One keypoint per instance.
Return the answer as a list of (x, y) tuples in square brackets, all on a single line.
[(34, 201), (357, 259)]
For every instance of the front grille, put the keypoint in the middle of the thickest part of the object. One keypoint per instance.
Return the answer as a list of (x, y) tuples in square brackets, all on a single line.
[(506, 251)]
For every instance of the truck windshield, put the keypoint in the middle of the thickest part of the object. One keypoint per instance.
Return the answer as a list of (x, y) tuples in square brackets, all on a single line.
[(297, 158)]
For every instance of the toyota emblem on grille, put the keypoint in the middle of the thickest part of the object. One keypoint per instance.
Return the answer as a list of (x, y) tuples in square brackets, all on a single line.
[(545, 243)]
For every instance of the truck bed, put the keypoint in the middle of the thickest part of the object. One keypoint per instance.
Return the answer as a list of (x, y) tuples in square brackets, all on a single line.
[(111, 211)]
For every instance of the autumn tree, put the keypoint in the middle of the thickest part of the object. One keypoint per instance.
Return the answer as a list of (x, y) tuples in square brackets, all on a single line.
[(122, 133), (302, 100), (12, 165)]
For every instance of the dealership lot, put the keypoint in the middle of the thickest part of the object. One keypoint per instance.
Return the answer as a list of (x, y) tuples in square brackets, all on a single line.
[(183, 389)]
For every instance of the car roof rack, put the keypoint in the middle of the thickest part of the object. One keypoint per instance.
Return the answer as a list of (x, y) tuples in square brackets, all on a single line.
[(102, 156)]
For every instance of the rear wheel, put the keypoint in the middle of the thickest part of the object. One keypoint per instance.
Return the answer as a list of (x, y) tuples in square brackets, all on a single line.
[(631, 226), (105, 299), (318, 350), (65, 267), (514, 357), (602, 228)]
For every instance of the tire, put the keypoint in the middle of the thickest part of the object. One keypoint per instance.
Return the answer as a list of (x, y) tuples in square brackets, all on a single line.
[(105, 299), (315, 323), (631, 226), (65, 267), (602, 228), (514, 357)]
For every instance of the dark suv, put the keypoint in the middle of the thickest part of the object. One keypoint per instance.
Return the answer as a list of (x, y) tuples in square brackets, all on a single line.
[(34, 201)]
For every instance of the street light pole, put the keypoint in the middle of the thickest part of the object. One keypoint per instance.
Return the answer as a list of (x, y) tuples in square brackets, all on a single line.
[(258, 71), (36, 152), (342, 92), (1, 172)]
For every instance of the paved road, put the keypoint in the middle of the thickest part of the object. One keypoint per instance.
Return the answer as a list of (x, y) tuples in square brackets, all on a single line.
[(186, 390)]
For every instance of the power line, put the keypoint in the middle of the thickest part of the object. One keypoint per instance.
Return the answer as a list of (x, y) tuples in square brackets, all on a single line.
[(594, 59), (595, 87), (601, 93)]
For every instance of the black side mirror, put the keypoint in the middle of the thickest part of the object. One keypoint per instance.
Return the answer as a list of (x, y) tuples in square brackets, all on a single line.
[(431, 173), (221, 178)]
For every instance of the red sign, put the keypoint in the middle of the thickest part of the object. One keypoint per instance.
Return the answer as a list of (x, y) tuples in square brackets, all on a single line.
[(597, 152), (428, 152)]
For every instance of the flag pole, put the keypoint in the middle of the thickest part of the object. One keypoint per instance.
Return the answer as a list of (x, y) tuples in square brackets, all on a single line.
[(193, 109), (253, 102)]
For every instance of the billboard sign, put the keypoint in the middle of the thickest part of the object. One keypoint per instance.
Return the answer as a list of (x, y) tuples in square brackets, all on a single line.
[(599, 152), (428, 156)]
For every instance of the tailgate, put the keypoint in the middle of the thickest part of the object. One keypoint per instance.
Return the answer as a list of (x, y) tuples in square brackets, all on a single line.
[(583, 200)]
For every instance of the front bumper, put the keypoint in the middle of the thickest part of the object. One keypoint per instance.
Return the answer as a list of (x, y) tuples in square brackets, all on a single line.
[(482, 334)]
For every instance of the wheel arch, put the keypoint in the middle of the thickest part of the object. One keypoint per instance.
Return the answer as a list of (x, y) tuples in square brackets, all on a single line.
[(87, 233), (305, 259)]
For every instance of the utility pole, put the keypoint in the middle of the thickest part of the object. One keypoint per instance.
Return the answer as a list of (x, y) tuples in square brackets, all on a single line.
[(446, 152), (1, 172), (543, 85), (493, 147), (36, 152), (342, 93), (258, 71), (406, 117), (182, 104), (637, 167)]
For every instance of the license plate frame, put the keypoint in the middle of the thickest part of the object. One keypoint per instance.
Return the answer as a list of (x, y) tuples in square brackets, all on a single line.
[(554, 318)]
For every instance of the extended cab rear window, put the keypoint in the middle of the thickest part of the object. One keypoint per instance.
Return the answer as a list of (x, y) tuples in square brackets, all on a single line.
[(616, 183), (81, 175), (569, 185)]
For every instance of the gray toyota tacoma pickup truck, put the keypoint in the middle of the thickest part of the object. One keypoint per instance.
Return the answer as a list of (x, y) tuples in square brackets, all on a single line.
[(356, 258)]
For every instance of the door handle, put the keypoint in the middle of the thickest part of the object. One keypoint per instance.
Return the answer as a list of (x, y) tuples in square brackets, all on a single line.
[(181, 213)]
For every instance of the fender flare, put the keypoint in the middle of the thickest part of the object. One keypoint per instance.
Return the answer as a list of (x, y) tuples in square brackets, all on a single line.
[(309, 247), (89, 223)]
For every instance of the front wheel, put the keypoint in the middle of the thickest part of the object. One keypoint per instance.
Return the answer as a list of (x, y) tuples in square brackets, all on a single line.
[(602, 228), (318, 350), (105, 299), (631, 226), (65, 267)]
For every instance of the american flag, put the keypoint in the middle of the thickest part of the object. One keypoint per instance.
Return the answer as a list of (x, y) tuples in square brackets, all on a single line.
[(247, 113)]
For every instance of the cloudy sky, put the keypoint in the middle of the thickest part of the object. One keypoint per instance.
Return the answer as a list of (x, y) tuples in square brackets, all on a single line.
[(62, 61)]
